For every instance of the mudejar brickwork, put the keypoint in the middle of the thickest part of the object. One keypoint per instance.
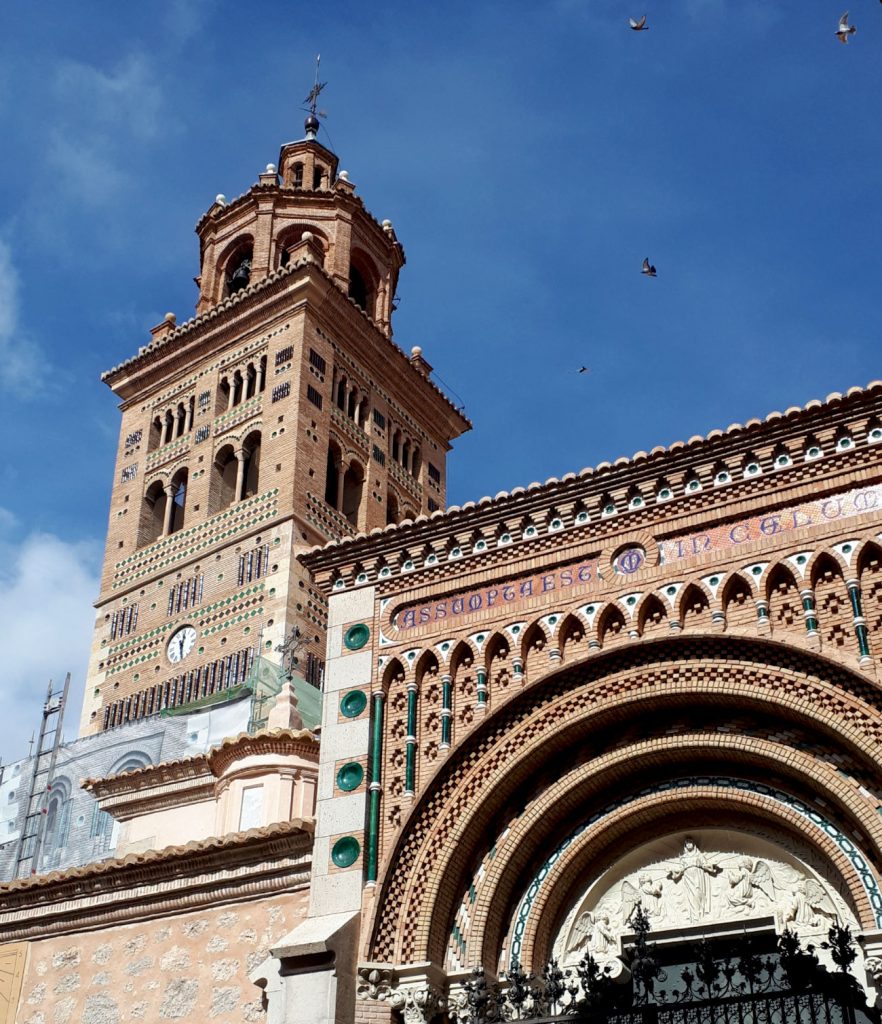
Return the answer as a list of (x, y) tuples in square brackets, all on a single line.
[(572, 737)]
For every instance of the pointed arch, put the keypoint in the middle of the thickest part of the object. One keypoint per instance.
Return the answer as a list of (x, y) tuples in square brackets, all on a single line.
[(533, 651), (652, 618), (500, 671), (835, 617), (611, 627), (464, 686), (572, 639), (694, 609), (738, 604), (785, 606), (869, 569)]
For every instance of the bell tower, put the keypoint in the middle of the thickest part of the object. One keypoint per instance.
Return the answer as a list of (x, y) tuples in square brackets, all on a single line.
[(281, 416)]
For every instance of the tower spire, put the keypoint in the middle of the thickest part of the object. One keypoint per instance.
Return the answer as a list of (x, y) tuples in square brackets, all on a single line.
[(311, 124)]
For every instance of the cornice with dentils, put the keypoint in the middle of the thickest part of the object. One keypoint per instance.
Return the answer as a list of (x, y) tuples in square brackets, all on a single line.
[(185, 332), (604, 476)]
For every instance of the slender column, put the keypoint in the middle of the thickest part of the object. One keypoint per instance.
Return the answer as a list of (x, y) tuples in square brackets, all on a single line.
[(809, 613), (762, 616), (446, 711), (341, 473), (411, 740), (517, 667), (375, 789), (482, 689), (169, 510), (860, 623), (240, 473)]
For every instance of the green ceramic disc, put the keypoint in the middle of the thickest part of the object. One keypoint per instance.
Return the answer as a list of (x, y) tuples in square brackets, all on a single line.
[(357, 636), (345, 852), (353, 703), (350, 776)]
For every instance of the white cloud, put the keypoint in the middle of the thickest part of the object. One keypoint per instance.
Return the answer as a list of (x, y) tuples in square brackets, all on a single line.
[(47, 587), (19, 356), (127, 98)]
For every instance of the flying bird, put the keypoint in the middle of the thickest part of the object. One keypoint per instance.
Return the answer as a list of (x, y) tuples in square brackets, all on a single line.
[(639, 26), (648, 268), (845, 30), (584, 369)]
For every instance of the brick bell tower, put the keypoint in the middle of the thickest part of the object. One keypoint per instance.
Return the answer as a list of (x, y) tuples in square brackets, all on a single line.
[(281, 416)]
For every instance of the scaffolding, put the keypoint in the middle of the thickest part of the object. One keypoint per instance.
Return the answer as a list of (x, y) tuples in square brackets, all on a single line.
[(30, 842)]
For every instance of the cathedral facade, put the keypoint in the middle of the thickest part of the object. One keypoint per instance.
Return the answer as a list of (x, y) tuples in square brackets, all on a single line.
[(568, 734)]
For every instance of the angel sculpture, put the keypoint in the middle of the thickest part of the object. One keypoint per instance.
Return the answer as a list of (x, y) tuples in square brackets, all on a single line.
[(647, 892), (593, 932), (809, 904), (747, 880), (582, 931)]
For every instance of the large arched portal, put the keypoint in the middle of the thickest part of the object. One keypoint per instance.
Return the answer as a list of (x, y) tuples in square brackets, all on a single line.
[(575, 798)]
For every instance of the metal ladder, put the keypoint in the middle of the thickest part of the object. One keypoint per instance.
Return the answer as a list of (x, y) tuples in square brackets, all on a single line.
[(30, 842)]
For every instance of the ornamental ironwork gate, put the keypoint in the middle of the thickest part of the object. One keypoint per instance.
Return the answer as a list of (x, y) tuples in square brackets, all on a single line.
[(757, 979)]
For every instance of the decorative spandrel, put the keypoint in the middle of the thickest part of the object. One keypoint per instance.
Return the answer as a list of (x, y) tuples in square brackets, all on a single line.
[(690, 882)]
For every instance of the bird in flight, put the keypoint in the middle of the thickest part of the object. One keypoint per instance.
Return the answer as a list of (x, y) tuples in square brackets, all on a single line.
[(648, 268), (639, 26), (845, 30), (584, 369)]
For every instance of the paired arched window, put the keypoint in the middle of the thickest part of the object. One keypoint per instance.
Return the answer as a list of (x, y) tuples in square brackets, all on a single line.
[(344, 485), (242, 384), (235, 473), (363, 282)]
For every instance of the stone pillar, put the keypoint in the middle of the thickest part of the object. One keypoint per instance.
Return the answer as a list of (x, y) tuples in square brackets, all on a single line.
[(341, 473), (169, 510), (240, 474)]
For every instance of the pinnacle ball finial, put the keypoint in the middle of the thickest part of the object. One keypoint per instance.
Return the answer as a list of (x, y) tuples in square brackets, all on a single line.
[(170, 318), (270, 168), (344, 175), (311, 126), (416, 351), (220, 199)]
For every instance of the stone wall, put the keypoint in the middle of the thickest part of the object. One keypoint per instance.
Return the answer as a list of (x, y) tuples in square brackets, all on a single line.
[(187, 967)]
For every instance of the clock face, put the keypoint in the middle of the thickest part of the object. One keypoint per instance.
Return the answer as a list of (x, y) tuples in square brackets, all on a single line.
[(181, 644)]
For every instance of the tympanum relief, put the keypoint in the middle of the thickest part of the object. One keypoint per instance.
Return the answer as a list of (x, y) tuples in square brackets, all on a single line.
[(701, 883)]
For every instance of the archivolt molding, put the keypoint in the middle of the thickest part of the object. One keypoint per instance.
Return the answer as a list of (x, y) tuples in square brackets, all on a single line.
[(660, 808), (532, 829), (485, 770)]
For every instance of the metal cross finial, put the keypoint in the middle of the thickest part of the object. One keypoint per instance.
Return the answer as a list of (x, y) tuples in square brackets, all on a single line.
[(311, 100), (293, 643)]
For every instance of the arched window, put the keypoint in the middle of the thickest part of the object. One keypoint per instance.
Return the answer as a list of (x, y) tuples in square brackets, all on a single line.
[(191, 413), (152, 513), (57, 820), (223, 397), (297, 175), (362, 281), (179, 501), (238, 388), (261, 374), (341, 393), (353, 485), (169, 427), (250, 381), (224, 475), (396, 446), (415, 462), (352, 404), (318, 175), (180, 420), (358, 289), (239, 270), (251, 473), (331, 476), (154, 440), (391, 508)]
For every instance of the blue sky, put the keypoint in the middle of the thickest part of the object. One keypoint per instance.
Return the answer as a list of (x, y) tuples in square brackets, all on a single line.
[(530, 155)]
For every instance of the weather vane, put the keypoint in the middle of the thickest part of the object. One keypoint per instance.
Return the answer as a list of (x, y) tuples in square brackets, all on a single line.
[(311, 100)]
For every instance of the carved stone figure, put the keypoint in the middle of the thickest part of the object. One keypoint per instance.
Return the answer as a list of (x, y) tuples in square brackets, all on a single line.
[(749, 880), (694, 871), (647, 892), (809, 904), (593, 934)]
